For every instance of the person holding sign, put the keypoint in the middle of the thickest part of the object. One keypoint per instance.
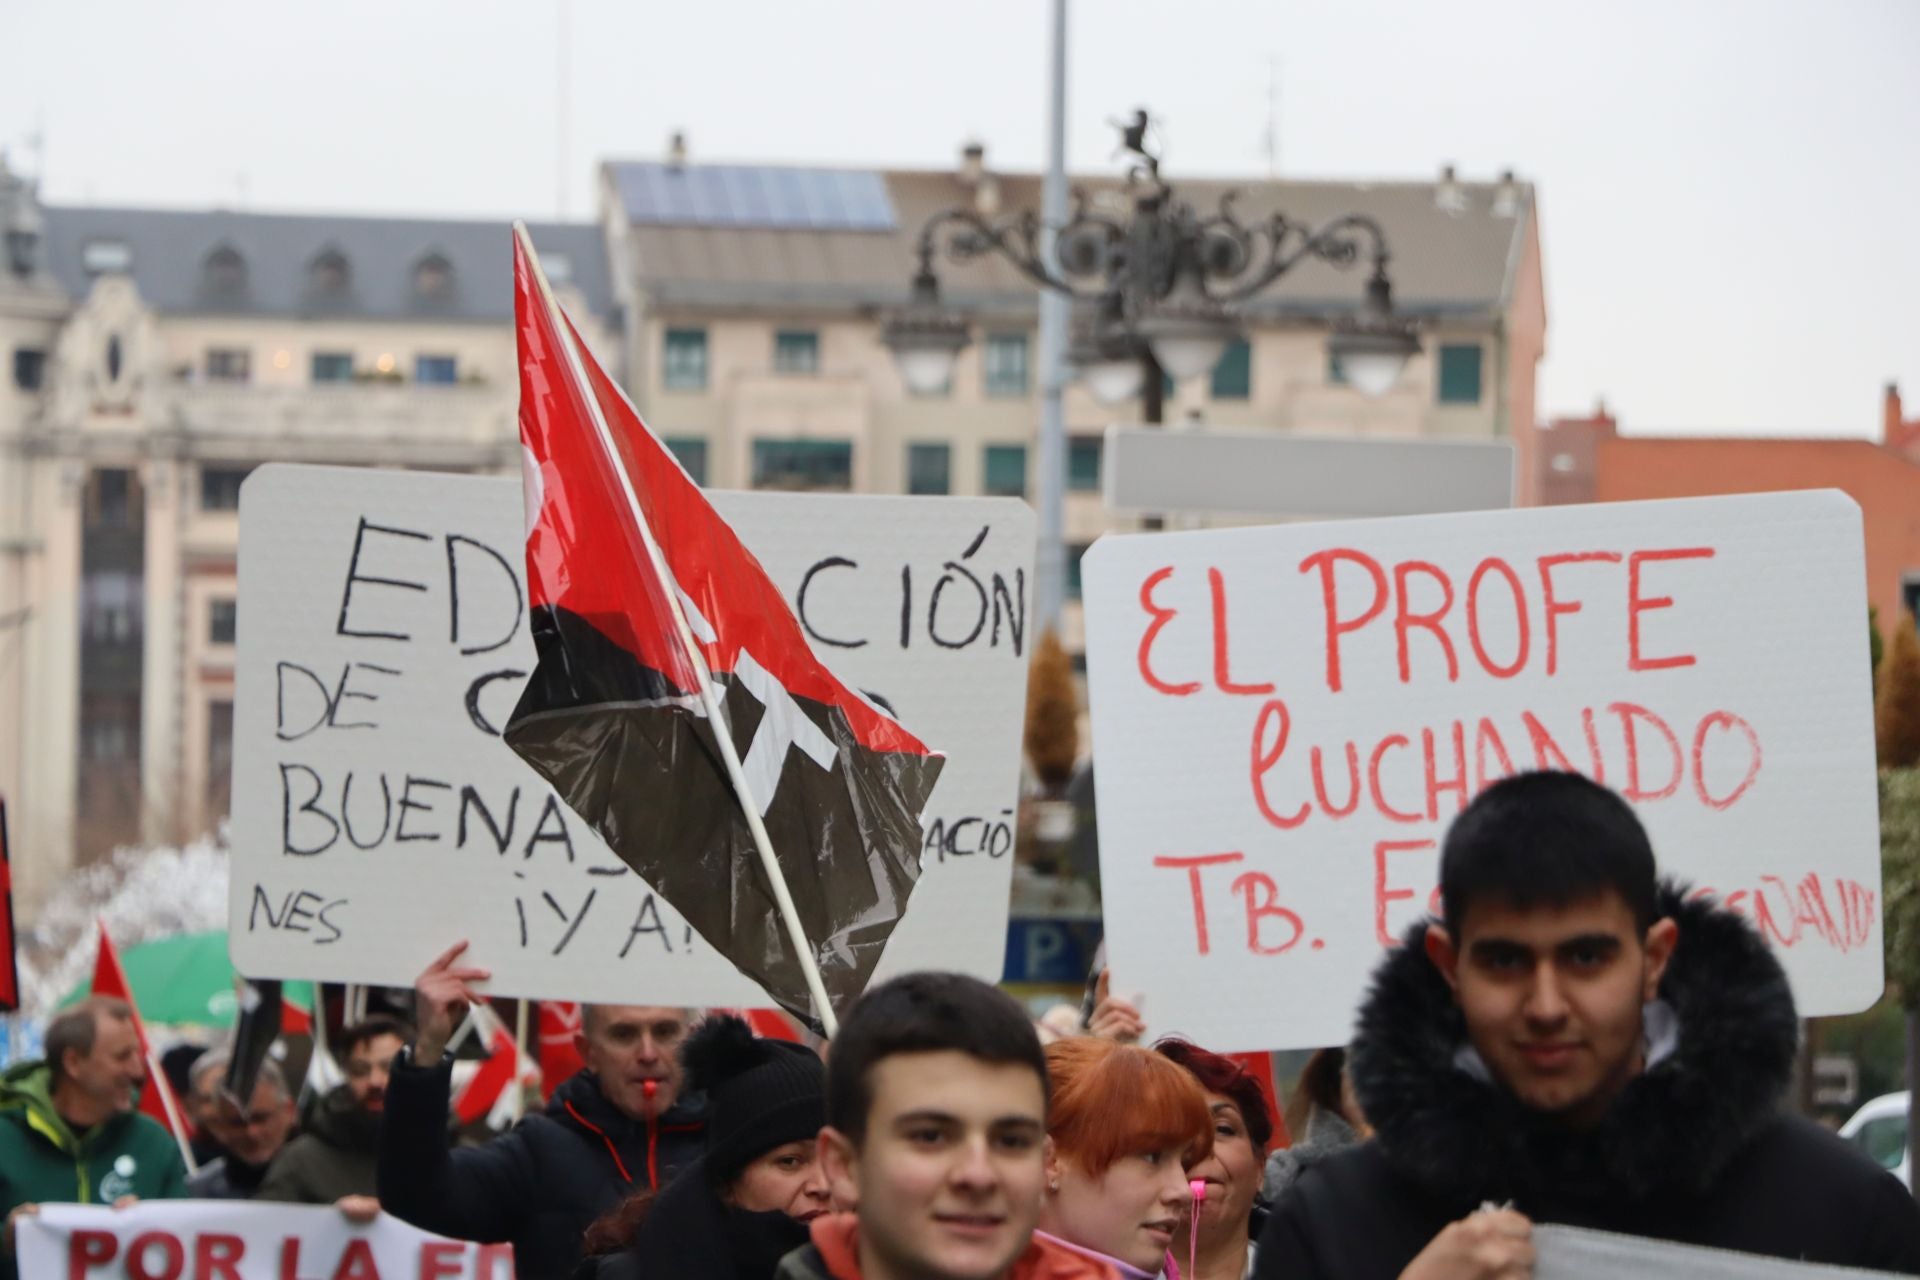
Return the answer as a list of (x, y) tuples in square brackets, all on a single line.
[(1576, 1042), (618, 1126), (744, 1205)]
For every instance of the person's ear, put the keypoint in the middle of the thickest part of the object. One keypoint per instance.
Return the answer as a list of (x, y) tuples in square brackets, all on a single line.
[(1051, 1159), (580, 1042), (841, 1159), (1662, 938), (1440, 950)]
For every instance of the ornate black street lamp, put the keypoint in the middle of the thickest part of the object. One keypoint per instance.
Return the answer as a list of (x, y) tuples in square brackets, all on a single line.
[(1158, 291)]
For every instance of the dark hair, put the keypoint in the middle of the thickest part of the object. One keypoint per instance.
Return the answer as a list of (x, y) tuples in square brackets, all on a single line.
[(74, 1030), (360, 1032), (1318, 1089), (924, 1013), (1224, 1076), (1547, 839)]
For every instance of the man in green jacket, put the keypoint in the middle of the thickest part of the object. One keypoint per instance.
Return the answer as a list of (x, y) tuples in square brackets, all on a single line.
[(68, 1128)]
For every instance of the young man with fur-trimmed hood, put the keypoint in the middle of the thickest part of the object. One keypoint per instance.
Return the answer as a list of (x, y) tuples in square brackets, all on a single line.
[(1581, 1044)]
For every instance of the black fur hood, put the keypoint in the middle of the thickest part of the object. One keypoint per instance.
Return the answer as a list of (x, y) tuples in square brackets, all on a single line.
[(1672, 1131)]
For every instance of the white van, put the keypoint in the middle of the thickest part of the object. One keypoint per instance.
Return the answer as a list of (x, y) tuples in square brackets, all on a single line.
[(1879, 1130)]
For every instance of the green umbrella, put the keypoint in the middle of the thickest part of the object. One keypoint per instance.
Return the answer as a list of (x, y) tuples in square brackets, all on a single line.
[(186, 979)]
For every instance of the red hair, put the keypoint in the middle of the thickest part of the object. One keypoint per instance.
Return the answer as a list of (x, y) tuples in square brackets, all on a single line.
[(1224, 1076), (1110, 1100)]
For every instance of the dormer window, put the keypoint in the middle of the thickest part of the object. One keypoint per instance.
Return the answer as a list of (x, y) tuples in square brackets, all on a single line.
[(328, 275), (433, 278), (224, 273), (102, 257)]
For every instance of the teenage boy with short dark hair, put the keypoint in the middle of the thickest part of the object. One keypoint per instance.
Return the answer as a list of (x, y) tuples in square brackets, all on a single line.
[(1581, 1044), (936, 1137)]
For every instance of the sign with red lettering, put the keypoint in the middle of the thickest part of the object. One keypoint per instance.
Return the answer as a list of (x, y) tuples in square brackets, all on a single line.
[(1287, 717), (238, 1240)]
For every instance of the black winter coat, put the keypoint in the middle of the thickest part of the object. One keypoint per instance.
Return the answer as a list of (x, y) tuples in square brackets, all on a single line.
[(1695, 1150), (538, 1186), (690, 1234)]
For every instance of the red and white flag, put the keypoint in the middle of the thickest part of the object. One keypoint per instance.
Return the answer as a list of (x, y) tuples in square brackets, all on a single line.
[(559, 1054), (613, 715), (156, 1097)]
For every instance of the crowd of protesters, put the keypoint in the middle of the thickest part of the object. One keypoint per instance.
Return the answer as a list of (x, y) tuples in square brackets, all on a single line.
[(1572, 1041)]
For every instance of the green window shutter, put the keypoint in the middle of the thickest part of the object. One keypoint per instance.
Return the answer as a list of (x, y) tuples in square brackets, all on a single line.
[(1083, 464), (1006, 471), (796, 351), (929, 469), (1233, 373), (683, 363), (692, 453), (1336, 372), (803, 464), (1005, 362), (1460, 373)]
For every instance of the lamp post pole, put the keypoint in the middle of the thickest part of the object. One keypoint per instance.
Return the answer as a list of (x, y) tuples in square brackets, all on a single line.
[(1050, 574)]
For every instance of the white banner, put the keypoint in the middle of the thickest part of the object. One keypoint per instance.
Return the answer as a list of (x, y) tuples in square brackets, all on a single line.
[(1286, 718), (1575, 1253), (241, 1240), (383, 640)]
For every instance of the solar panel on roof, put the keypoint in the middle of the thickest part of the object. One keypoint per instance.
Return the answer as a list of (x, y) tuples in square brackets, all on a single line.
[(719, 195)]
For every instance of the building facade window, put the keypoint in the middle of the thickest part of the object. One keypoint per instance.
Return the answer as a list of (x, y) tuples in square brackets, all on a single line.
[(329, 275), (219, 756), (796, 351), (29, 368), (433, 278), (436, 371), (683, 363), (223, 275), (113, 499), (803, 464), (692, 454), (1074, 551), (1005, 364), (112, 606), (100, 257), (220, 487), (1336, 372), (229, 364), (929, 469), (221, 613), (1005, 471), (333, 366), (1459, 381), (1083, 464), (1233, 372)]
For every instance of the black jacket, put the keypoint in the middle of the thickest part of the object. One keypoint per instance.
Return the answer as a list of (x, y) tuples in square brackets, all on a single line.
[(539, 1186), (690, 1234), (1695, 1150), (225, 1178)]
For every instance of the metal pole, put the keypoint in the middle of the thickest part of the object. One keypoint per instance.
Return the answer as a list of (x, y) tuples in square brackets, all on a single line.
[(1050, 569)]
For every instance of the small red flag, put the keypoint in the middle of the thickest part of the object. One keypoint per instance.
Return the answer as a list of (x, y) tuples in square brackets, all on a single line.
[(156, 1099), (559, 1056), (9, 963), (495, 1076)]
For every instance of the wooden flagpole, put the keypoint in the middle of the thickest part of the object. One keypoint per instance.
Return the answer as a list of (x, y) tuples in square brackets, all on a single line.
[(789, 914)]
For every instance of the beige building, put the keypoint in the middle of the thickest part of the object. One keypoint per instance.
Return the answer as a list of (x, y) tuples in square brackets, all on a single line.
[(153, 358), (752, 298)]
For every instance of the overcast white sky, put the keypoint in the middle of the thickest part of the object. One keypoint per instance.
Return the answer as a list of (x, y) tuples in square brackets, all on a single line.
[(1730, 189)]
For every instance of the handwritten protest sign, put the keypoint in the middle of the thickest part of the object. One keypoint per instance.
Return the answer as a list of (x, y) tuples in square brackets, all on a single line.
[(383, 640), (1287, 717), (209, 1240)]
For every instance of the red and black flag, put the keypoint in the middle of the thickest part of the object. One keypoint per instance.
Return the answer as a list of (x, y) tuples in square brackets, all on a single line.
[(613, 715)]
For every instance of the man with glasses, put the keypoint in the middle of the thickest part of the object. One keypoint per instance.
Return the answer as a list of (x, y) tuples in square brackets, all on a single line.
[(618, 1126), (333, 1161), (249, 1140)]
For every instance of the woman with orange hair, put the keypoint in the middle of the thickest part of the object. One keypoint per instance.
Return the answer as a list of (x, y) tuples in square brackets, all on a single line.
[(1125, 1123)]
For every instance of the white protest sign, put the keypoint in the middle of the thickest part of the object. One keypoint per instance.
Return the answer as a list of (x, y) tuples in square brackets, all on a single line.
[(240, 1240), (383, 640), (1286, 718)]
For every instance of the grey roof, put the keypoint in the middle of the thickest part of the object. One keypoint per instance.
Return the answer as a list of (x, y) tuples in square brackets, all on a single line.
[(1450, 256), (171, 250), (735, 195)]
